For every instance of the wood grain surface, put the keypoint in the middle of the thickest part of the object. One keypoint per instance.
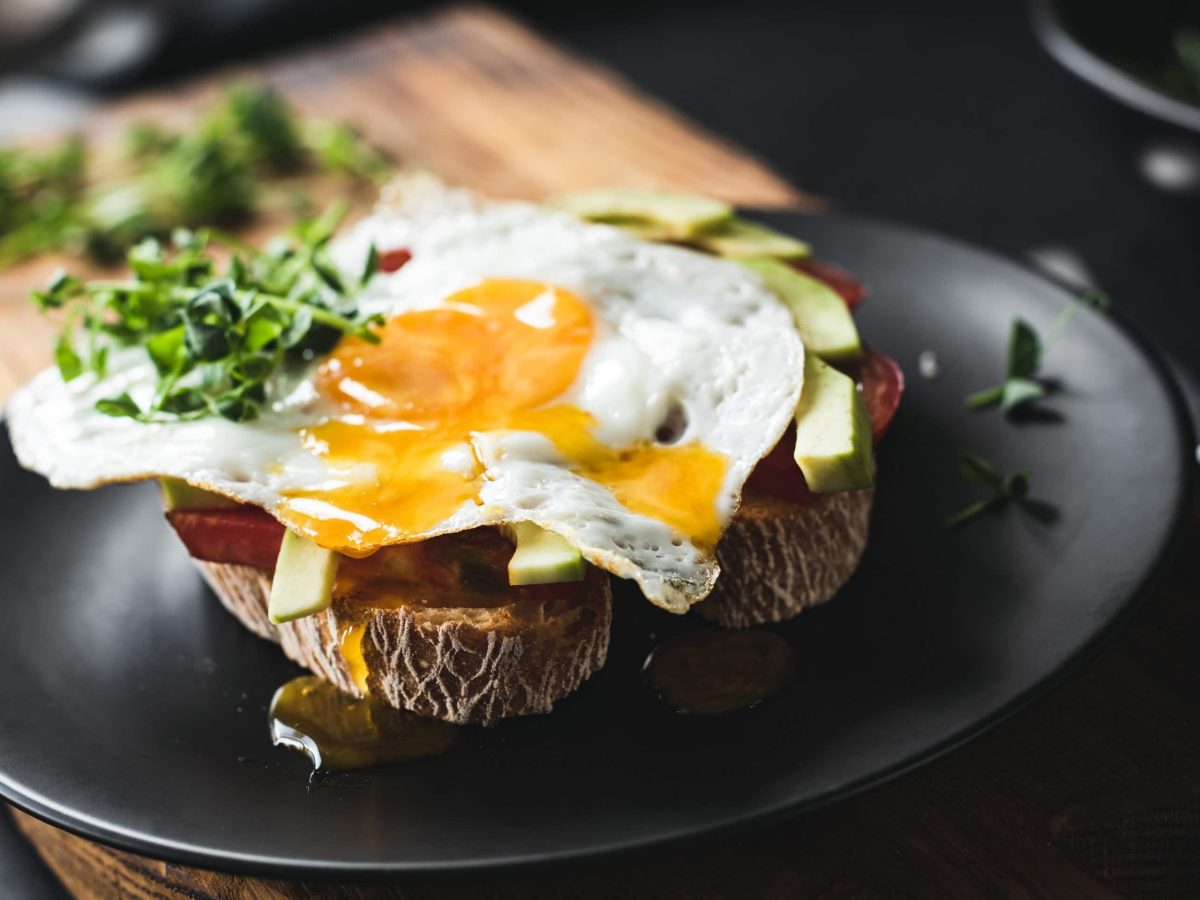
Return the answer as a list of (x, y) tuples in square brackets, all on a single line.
[(1094, 792), (467, 93)]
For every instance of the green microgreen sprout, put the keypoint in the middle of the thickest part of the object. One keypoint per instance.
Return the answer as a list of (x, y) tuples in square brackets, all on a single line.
[(1026, 349), (1004, 488), (228, 167), (214, 338)]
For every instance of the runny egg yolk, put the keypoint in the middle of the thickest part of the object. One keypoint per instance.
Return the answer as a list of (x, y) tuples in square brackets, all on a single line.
[(496, 357)]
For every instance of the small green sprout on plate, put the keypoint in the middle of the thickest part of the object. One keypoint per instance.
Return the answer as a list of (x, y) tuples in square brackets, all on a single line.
[(1004, 489), (1026, 350)]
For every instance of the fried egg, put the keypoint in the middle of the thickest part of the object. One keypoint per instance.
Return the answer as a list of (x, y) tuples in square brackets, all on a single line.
[(530, 368)]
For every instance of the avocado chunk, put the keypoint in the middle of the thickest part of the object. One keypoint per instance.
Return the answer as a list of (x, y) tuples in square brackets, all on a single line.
[(739, 239), (178, 494), (821, 316), (303, 582), (542, 557), (833, 431), (642, 228), (677, 217)]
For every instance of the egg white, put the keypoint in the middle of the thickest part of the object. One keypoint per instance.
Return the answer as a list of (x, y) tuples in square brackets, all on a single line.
[(683, 339)]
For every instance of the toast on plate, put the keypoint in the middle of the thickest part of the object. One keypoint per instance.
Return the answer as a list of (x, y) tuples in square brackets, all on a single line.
[(413, 456), (461, 664)]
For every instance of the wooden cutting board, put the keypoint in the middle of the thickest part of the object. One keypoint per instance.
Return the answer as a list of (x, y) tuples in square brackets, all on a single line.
[(467, 93)]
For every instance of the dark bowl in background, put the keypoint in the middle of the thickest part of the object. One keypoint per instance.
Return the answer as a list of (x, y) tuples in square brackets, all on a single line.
[(1125, 50)]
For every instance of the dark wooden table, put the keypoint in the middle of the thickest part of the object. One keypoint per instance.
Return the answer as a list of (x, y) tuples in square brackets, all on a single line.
[(1092, 792)]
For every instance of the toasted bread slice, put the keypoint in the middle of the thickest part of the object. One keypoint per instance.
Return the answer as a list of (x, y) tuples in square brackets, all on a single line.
[(470, 664), (461, 664), (780, 557)]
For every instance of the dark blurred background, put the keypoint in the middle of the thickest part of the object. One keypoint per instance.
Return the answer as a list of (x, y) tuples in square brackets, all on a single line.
[(943, 114)]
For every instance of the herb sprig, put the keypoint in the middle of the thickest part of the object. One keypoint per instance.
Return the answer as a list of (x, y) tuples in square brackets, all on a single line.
[(39, 194), (1026, 350), (222, 171), (1004, 488), (214, 340)]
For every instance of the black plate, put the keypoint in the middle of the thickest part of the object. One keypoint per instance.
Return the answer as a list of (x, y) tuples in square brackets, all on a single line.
[(133, 708)]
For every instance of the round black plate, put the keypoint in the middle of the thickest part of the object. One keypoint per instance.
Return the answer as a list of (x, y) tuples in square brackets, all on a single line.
[(133, 708)]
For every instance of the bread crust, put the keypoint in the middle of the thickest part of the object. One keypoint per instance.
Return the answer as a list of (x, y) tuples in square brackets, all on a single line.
[(462, 665), (472, 665), (780, 557)]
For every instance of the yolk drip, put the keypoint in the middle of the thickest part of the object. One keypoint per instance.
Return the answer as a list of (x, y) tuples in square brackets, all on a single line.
[(350, 641), (492, 358)]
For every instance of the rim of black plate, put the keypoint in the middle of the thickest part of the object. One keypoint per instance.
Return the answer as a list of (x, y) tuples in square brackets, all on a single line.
[(1105, 76), (318, 870)]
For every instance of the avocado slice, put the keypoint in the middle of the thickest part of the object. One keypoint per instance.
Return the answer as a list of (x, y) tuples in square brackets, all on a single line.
[(642, 228), (303, 582), (833, 431), (542, 557), (821, 316), (739, 239), (679, 217), (178, 494)]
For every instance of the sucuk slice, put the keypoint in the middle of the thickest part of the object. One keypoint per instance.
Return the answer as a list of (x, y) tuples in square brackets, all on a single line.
[(244, 535), (882, 385)]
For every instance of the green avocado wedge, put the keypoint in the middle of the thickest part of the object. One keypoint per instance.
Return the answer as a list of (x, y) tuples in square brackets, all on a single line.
[(542, 557), (653, 215), (303, 582), (821, 316), (739, 239), (641, 228), (704, 223), (178, 494), (833, 431)]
